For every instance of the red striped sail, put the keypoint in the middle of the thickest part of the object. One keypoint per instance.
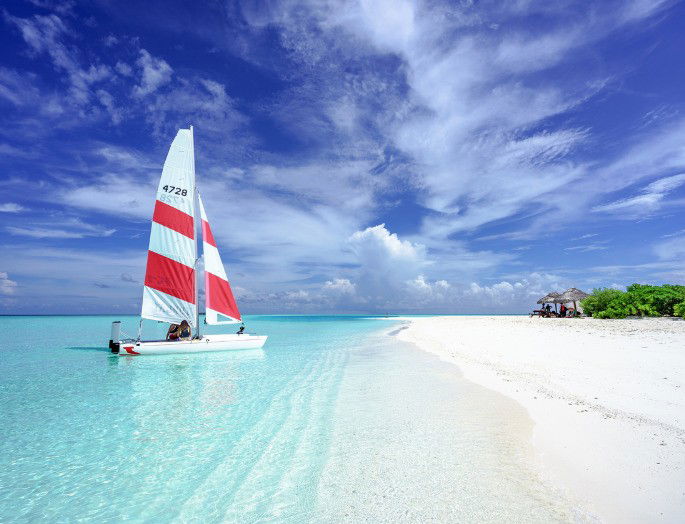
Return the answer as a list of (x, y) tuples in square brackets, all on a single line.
[(219, 298), (169, 292)]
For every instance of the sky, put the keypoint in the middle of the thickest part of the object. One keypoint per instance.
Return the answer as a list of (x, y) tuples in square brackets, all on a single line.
[(354, 156)]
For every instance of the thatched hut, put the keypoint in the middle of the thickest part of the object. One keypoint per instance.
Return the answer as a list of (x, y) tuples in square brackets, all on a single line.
[(551, 298), (573, 295)]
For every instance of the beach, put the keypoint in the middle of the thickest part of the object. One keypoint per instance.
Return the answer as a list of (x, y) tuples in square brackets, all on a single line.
[(606, 397)]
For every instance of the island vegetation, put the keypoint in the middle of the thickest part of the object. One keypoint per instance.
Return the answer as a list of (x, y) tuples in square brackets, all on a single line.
[(637, 300)]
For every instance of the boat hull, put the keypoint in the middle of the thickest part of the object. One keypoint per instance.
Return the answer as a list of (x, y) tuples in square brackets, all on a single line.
[(208, 343)]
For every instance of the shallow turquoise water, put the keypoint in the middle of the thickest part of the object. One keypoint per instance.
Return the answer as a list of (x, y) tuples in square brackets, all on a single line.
[(89, 435), (333, 421)]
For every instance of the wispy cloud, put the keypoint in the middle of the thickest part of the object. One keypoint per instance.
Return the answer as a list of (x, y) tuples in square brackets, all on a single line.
[(470, 116), (61, 228), (671, 249), (587, 247), (45, 34), (154, 71), (36, 232), (10, 207), (586, 236), (649, 199)]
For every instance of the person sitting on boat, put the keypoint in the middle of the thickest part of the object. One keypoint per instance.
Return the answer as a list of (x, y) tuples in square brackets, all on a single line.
[(240, 331), (174, 332), (185, 330)]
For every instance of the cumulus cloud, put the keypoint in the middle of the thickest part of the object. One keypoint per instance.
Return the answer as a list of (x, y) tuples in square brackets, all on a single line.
[(7, 286), (512, 295), (339, 286), (385, 263), (429, 292)]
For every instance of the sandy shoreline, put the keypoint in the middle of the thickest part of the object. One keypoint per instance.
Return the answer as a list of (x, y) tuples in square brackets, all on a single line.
[(607, 398)]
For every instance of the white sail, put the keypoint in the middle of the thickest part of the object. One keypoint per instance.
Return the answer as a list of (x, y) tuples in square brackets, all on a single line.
[(170, 292), (219, 298)]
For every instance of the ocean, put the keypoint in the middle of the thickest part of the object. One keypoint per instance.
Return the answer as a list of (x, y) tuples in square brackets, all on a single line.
[(334, 420)]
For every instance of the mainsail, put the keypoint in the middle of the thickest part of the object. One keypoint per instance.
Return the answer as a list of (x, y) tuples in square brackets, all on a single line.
[(170, 291), (218, 295)]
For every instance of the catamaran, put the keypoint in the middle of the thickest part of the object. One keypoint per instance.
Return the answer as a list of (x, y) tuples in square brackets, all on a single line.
[(170, 291)]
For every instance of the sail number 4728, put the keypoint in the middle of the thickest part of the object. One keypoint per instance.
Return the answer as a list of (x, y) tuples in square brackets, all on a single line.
[(175, 190)]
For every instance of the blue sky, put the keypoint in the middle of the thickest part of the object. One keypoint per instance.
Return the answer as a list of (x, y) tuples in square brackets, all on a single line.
[(354, 156)]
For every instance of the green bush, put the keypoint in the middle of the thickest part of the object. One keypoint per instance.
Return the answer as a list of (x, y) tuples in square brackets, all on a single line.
[(599, 300), (637, 300), (679, 309), (660, 299)]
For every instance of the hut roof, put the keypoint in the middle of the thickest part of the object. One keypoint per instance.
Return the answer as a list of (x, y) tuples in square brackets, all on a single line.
[(573, 295), (550, 298)]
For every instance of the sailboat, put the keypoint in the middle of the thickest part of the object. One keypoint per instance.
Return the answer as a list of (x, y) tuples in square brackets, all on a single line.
[(170, 291)]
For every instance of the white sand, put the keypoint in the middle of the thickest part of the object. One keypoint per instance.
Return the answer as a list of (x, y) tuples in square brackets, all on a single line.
[(607, 398)]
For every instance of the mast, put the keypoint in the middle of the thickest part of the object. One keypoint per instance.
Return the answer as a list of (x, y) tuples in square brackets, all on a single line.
[(197, 232)]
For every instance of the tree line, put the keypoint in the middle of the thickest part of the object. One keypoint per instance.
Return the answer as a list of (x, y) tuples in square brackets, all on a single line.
[(636, 300)]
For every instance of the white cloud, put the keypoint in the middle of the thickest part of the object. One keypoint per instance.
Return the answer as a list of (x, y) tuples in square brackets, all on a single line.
[(37, 232), (16, 88), (42, 267), (154, 72), (7, 286), (584, 248), (60, 228), (110, 40), (10, 207), (107, 101), (385, 262), (587, 235), (650, 199), (202, 102), (126, 277), (671, 249), (474, 122), (515, 295), (299, 295), (429, 291), (46, 34), (60, 6), (339, 286), (123, 69)]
